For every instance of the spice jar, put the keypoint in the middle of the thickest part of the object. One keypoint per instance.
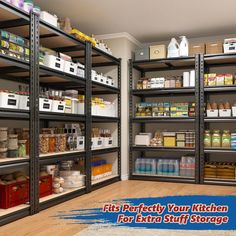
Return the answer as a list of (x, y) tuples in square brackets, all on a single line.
[(178, 82), (22, 148), (207, 138), (216, 138), (226, 139), (52, 143), (62, 147), (3, 133), (44, 143), (26, 136), (13, 142)]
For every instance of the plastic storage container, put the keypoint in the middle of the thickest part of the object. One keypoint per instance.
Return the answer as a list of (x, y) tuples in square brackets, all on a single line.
[(58, 106), (45, 104), (9, 100), (54, 62)]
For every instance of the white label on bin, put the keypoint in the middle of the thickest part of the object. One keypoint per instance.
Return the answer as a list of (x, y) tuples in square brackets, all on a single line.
[(11, 102)]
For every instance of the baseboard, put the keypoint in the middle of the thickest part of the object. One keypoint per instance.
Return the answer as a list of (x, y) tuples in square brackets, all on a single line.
[(124, 177)]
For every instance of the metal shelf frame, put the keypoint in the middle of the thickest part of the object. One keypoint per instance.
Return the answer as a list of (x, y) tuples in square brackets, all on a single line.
[(34, 116)]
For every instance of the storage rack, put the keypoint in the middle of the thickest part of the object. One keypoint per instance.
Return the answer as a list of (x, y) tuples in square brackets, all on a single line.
[(207, 62), (202, 65), (162, 65), (30, 26)]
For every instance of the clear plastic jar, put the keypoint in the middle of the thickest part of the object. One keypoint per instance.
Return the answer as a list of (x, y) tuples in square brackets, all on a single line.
[(57, 142), (3, 133), (22, 148), (26, 136), (216, 138), (13, 141), (44, 143), (207, 138), (226, 139), (62, 147), (52, 143)]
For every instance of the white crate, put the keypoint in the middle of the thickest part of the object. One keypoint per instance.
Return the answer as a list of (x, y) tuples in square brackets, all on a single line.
[(213, 113), (54, 62), (45, 104), (81, 108), (9, 100), (225, 112), (97, 142), (80, 143), (58, 106), (70, 68), (49, 18), (24, 102), (234, 111), (107, 142)]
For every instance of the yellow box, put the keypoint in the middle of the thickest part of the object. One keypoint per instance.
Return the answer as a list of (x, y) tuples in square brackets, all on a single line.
[(169, 141), (157, 51)]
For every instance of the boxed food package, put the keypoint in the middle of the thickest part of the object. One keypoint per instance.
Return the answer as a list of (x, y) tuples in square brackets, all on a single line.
[(197, 48), (211, 79), (214, 48), (157, 51), (212, 113), (230, 45), (143, 139), (142, 54), (169, 139), (220, 80), (49, 18)]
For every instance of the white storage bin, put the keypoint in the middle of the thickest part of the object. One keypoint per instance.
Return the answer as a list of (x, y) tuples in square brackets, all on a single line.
[(234, 111), (9, 100), (80, 143), (45, 104), (143, 139), (94, 75), (80, 72), (81, 108), (213, 113), (49, 18), (107, 142), (70, 68), (74, 105), (24, 102), (225, 112), (97, 142), (103, 79), (58, 106), (54, 62), (96, 110)]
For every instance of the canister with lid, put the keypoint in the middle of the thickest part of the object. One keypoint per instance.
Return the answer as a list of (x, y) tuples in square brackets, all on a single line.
[(44, 143), (13, 142), (3, 133)]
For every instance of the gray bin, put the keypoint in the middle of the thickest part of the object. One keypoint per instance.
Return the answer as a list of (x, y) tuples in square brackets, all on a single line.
[(142, 54)]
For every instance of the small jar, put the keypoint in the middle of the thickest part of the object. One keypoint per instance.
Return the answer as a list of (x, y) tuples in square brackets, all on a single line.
[(13, 142), (3, 133), (22, 148), (178, 82), (207, 138), (26, 136), (216, 138), (52, 143), (44, 143), (226, 139)]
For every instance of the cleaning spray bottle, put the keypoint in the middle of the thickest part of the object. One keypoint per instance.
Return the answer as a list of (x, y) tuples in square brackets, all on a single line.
[(183, 47)]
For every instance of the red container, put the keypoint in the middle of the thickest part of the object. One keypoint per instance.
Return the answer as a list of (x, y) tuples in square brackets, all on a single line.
[(14, 194), (45, 186)]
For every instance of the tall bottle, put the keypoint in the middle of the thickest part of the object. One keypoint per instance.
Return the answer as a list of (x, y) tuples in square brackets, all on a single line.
[(173, 48), (160, 167), (184, 47), (137, 166)]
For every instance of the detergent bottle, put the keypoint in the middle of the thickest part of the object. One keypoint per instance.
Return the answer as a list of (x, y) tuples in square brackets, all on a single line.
[(173, 48), (183, 47)]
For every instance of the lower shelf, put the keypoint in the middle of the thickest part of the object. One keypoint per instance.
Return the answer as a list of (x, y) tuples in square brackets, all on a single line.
[(8, 211), (53, 196), (220, 181), (104, 179), (7, 161)]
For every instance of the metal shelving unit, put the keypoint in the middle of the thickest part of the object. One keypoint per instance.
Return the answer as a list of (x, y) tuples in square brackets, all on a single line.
[(208, 62), (35, 75), (170, 64)]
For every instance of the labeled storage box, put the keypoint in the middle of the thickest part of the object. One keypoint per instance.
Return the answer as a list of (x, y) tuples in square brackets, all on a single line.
[(45, 186), (9, 100), (107, 142), (143, 139), (214, 48), (81, 108), (70, 68), (213, 113), (230, 45), (72, 179), (234, 111), (45, 104), (97, 142), (24, 102), (58, 106), (14, 194), (54, 62), (197, 48), (142, 54), (80, 143), (49, 18), (157, 51), (169, 139), (224, 112)]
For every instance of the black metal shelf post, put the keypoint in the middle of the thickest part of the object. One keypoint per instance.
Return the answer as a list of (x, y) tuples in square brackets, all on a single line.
[(119, 115), (34, 113)]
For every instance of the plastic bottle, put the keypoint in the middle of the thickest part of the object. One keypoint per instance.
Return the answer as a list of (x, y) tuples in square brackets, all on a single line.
[(171, 167), (153, 166), (142, 166), (173, 48), (192, 166), (165, 167), (160, 167), (183, 166), (137, 166), (183, 47), (176, 167), (148, 166)]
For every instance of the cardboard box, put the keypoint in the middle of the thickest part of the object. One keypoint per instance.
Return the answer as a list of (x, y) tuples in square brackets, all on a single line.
[(157, 51), (214, 48), (197, 48)]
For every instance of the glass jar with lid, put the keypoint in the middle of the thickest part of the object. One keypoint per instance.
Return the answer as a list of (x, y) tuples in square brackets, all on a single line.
[(216, 138), (62, 147), (3, 133), (226, 139), (178, 82), (207, 138), (52, 143), (13, 141)]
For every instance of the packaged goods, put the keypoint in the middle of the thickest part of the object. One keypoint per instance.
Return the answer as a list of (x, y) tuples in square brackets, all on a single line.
[(173, 48), (230, 45), (49, 18), (143, 139), (142, 54), (197, 48), (216, 138), (207, 138), (214, 48), (183, 47), (157, 52)]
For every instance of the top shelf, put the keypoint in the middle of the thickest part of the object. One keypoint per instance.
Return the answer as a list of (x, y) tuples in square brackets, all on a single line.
[(165, 64), (220, 59)]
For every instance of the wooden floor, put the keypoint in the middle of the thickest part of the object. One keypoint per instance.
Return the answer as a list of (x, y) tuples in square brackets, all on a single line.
[(43, 224)]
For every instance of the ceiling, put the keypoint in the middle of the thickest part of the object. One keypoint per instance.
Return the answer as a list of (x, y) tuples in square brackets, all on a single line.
[(148, 20)]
